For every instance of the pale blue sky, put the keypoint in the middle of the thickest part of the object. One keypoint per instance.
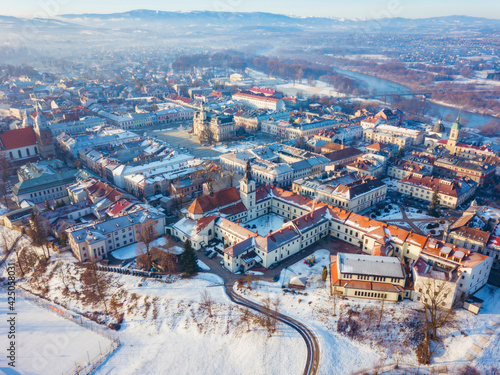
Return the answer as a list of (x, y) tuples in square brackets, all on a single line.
[(329, 8)]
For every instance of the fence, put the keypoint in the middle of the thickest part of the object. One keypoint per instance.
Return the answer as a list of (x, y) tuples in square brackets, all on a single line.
[(92, 363), (127, 271)]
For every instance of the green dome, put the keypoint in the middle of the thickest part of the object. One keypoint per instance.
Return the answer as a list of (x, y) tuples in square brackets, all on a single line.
[(456, 125)]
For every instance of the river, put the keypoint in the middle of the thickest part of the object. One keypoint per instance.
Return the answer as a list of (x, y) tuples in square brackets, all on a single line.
[(383, 85)]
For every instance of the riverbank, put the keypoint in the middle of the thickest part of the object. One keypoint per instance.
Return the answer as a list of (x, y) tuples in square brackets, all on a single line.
[(371, 82)]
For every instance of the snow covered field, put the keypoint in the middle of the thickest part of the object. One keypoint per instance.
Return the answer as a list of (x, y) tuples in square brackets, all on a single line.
[(320, 88), (266, 223), (342, 355), (237, 146), (392, 183), (46, 343), (177, 336), (130, 251), (165, 328)]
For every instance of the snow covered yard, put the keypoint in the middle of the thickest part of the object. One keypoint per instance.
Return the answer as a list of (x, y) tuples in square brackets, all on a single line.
[(416, 213), (435, 230), (46, 343), (390, 212), (366, 345), (476, 335), (392, 183), (167, 329), (266, 223), (130, 251), (166, 326), (238, 146)]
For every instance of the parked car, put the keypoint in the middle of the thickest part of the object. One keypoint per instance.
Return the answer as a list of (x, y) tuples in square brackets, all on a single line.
[(276, 278), (213, 255), (274, 265), (207, 253)]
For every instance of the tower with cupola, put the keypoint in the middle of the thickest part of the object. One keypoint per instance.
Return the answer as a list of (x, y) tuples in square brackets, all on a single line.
[(248, 192)]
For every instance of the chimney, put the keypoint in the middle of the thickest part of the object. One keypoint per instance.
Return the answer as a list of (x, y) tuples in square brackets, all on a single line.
[(257, 232), (270, 231)]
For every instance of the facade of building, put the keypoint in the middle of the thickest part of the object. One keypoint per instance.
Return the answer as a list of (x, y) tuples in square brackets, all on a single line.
[(352, 192), (92, 242), (451, 193), (482, 173), (209, 125), (19, 144), (368, 276), (260, 101)]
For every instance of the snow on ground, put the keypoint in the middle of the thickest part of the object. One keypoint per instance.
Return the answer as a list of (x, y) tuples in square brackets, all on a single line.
[(237, 146), (413, 213), (393, 214), (473, 330), (320, 88), (46, 343), (339, 354), (392, 183), (342, 355), (130, 251), (165, 328), (422, 225), (3, 209), (322, 258), (126, 252), (202, 265), (266, 223), (182, 338)]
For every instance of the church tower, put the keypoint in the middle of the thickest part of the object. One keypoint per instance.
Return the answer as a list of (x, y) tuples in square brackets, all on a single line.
[(44, 137), (248, 194), (454, 135)]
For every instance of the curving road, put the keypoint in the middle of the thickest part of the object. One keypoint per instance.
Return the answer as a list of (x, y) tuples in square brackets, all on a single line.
[(313, 349)]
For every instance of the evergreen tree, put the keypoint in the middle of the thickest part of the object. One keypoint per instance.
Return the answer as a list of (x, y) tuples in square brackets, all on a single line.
[(434, 203), (189, 263), (401, 153)]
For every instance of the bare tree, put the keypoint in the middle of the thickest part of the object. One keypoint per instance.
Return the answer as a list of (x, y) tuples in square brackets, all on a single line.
[(370, 313), (145, 234), (247, 318), (96, 285), (207, 302), (335, 297), (270, 319), (381, 312), (439, 308), (207, 136), (38, 235), (250, 278), (438, 312)]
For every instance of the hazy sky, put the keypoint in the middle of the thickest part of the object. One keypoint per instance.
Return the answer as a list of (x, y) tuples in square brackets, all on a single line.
[(329, 8)]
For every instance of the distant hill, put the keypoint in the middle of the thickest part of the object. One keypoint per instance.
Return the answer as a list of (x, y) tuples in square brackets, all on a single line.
[(240, 19)]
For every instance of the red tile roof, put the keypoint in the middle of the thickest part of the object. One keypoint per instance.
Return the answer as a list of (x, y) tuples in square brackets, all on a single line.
[(17, 138), (221, 199)]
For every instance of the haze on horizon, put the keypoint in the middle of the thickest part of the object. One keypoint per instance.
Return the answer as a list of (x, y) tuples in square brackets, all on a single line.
[(316, 8)]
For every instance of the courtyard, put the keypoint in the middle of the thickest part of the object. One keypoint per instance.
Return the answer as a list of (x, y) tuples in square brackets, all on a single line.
[(264, 224)]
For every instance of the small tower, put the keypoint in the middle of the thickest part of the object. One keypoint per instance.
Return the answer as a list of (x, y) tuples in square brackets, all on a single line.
[(247, 192), (454, 135), (44, 137), (438, 128)]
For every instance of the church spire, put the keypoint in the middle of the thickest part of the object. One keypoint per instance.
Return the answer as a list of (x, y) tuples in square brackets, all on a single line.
[(248, 170)]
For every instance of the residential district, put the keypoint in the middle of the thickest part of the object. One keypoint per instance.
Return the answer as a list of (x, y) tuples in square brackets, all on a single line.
[(252, 180)]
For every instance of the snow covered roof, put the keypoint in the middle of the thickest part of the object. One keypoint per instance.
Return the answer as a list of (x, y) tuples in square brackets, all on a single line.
[(370, 265)]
